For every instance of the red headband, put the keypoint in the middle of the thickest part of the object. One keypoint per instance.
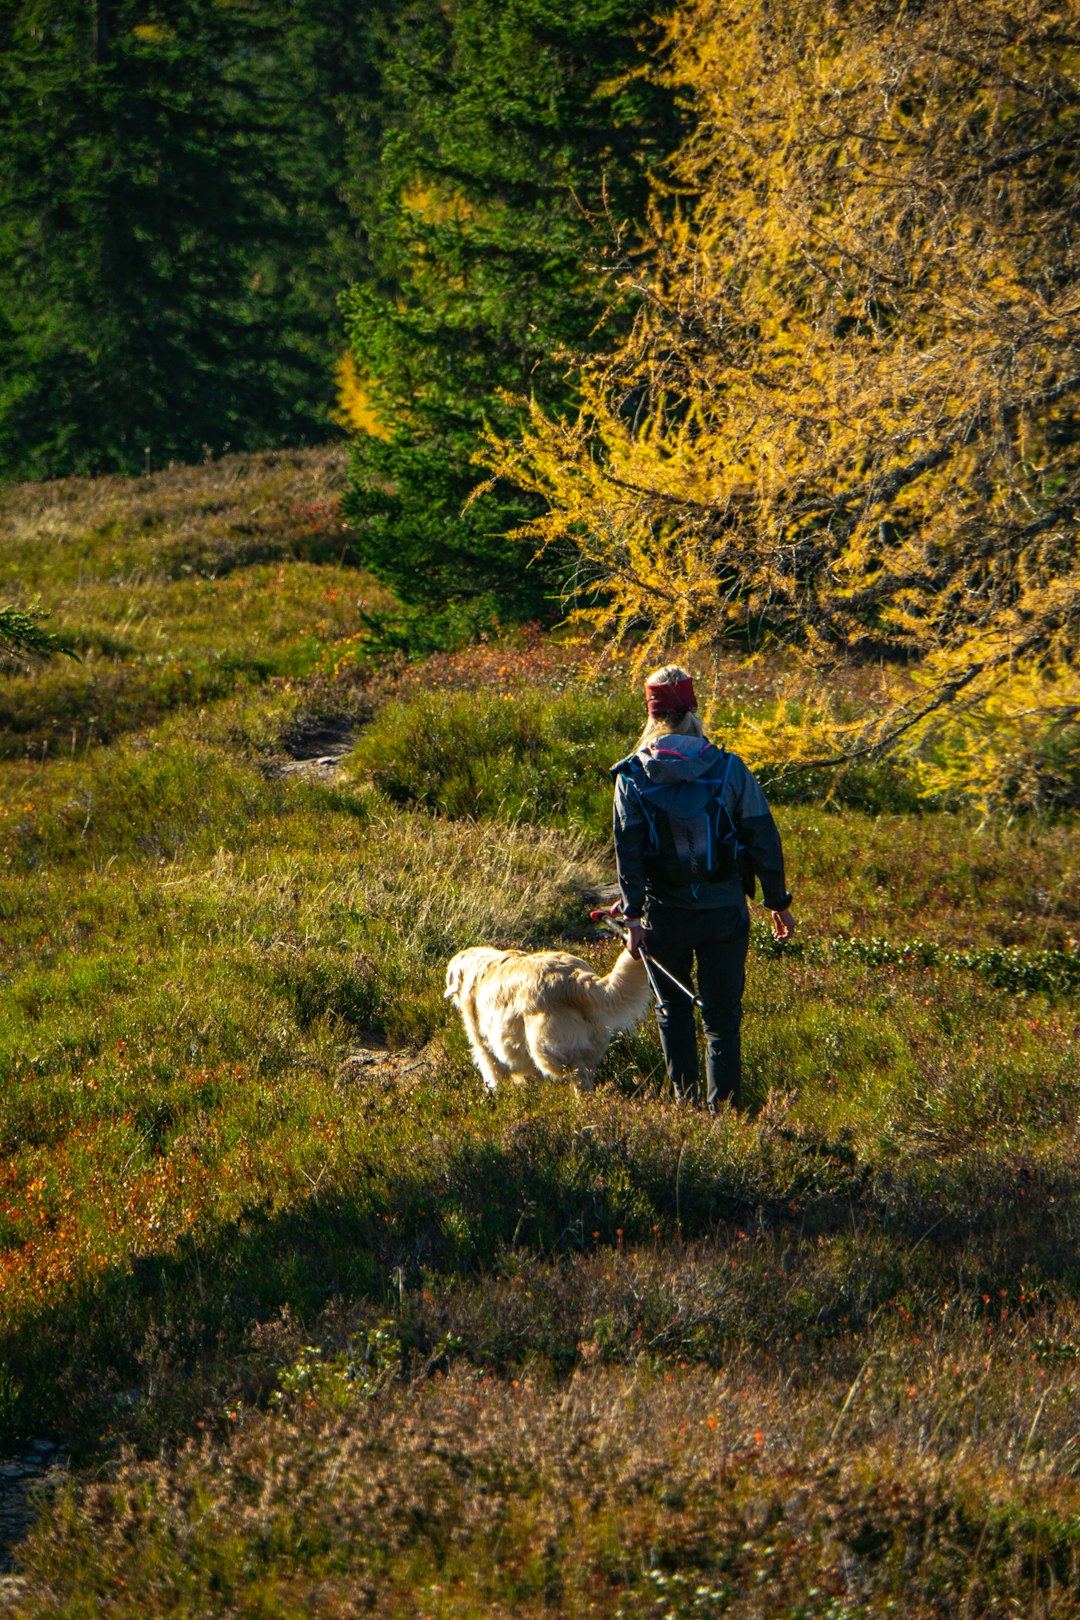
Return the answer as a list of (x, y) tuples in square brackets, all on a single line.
[(670, 698)]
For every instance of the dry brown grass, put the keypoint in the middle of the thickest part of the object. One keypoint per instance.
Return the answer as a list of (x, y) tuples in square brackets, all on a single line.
[(618, 1492)]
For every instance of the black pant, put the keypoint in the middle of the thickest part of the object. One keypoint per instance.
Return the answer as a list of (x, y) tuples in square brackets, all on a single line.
[(718, 937)]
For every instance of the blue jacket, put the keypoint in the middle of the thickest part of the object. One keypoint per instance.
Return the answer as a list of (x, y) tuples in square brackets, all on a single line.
[(682, 775)]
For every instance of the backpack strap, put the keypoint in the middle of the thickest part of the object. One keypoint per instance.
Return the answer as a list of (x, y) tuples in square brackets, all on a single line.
[(630, 775), (742, 864), (720, 782), (723, 806)]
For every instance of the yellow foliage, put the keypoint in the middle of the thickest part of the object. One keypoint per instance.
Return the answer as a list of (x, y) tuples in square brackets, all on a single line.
[(354, 404), (847, 418), (435, 205)]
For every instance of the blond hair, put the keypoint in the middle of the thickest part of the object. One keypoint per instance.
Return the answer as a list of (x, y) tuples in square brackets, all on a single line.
[(681, 722)]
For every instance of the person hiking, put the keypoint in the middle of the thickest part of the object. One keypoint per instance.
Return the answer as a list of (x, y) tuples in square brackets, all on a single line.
[(693, 831)]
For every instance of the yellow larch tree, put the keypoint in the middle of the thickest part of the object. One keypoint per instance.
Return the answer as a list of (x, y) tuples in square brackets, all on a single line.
[(846, 419)]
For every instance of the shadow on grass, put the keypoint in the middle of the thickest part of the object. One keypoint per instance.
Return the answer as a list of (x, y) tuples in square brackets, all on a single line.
[(142, 1349)]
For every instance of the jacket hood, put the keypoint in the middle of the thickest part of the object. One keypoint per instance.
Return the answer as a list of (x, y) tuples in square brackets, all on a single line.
[(680, 759)]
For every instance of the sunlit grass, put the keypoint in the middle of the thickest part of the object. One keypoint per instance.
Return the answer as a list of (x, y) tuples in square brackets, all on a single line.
[(364, 1331), (174, 591)]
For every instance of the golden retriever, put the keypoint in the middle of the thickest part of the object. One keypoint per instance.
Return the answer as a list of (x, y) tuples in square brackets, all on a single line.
[(543, 1013)]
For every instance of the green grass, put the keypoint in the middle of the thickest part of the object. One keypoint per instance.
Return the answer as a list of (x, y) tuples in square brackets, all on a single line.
[(175, 591), (510, 756), (328, 1335)]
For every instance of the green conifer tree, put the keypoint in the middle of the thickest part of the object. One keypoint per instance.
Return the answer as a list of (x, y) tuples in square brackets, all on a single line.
[(514, 131), (172, 227)]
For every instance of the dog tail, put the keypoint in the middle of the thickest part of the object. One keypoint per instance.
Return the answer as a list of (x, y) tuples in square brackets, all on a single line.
[(622, 998)]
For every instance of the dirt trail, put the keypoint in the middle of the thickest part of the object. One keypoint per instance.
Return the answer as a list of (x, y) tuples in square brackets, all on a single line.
[(19, 1474)]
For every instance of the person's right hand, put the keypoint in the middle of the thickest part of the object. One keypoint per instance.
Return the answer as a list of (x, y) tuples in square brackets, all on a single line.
[(783, 924), (635, 938)]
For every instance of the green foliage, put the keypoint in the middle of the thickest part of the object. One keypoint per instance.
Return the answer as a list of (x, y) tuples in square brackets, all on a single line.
[(515, 757), (511, 152), (172, 237), (23, 632), (1022, 972)]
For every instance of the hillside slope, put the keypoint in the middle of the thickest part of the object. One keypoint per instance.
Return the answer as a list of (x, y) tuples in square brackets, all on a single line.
[(322, 1331)]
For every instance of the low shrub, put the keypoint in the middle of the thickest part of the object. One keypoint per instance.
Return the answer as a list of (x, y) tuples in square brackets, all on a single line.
[(513, 757)]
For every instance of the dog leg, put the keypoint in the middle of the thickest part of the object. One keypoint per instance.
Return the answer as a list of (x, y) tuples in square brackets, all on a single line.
[(563, 1051), (491, 1069)]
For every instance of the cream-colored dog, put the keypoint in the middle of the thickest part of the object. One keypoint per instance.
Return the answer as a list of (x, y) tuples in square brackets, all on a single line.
[(543, 1013)]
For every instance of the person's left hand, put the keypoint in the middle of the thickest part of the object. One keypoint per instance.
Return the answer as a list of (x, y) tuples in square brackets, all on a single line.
[(783, 925)]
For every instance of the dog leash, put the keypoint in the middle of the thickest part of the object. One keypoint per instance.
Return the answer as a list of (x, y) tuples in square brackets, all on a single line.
[(611, 922)]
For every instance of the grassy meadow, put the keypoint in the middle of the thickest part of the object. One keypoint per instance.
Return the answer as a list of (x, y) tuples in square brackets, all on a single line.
[(322, 1330)]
